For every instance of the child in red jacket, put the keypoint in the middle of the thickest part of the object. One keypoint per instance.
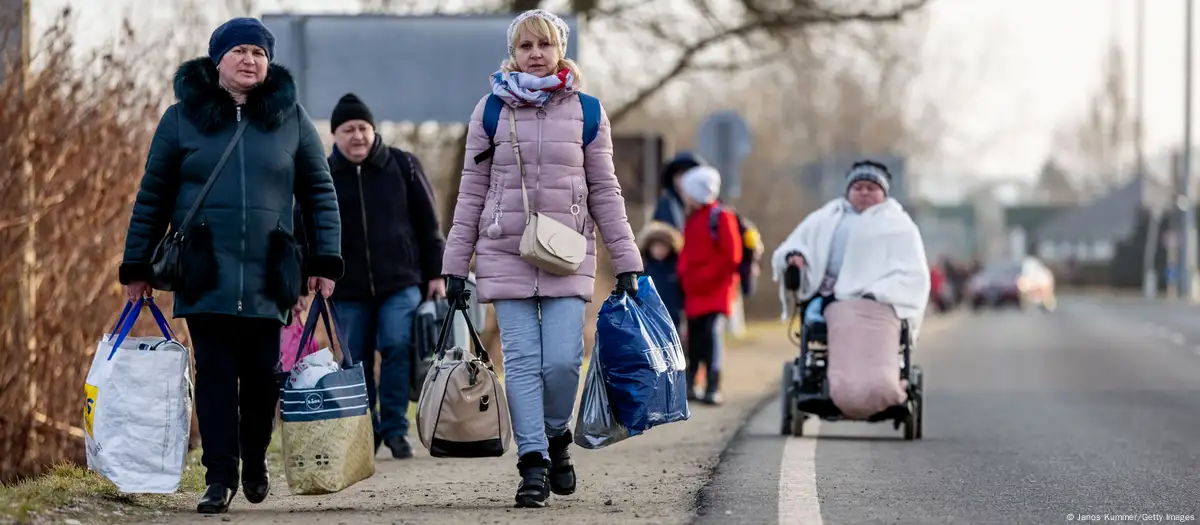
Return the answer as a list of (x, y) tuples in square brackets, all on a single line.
[(708, 272)]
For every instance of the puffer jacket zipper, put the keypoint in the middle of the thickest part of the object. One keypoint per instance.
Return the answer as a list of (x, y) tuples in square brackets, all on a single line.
[(541, 117), (242, 259), (362, 202)]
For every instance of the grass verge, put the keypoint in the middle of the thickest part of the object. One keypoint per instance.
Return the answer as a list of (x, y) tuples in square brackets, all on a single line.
[(72, 492)]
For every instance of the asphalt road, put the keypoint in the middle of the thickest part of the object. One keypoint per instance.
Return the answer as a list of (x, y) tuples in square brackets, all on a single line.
[(1088, 413)]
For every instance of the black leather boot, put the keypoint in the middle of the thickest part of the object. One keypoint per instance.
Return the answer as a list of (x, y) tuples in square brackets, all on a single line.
[(256, 483), (216, 499), (562, 471), (535, 487)]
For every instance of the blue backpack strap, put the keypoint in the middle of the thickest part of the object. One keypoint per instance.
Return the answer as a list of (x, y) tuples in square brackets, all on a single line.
[(591, 117), (491, 115)]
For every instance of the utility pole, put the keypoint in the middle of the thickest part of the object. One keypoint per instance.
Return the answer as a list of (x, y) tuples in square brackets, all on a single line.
[(1149, 270), (1187, 263)]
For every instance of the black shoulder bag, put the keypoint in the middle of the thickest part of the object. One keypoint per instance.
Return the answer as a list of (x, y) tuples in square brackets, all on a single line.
[(167, 272)]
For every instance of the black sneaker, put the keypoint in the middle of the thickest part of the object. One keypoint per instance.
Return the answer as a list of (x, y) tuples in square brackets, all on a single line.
[(535, 485), (713, 398), (562, 470), (401, 448)]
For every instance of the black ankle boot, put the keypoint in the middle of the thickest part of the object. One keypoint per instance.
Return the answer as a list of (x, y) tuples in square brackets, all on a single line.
[(256, 483), (216, 499), (535, 487), (562, 471)]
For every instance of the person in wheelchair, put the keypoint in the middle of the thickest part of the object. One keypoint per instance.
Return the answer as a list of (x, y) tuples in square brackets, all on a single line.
[(858, 265)]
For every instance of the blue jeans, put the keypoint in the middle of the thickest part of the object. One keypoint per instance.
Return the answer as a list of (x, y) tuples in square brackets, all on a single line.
[(385, 324), (543, 350)]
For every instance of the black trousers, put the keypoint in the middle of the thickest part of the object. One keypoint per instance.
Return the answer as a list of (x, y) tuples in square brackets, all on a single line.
[(237, 390), (706, 341)]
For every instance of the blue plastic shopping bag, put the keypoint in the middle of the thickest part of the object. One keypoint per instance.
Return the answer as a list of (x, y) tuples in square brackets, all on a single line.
[(642, 357)]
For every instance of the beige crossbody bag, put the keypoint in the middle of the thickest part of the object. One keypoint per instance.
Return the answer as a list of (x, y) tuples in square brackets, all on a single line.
[(546, 243)]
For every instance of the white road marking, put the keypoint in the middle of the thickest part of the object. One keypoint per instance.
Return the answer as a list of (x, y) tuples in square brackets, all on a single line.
[(798, 501)]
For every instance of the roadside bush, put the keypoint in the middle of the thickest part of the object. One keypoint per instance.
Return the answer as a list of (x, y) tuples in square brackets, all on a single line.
[(73, 140)]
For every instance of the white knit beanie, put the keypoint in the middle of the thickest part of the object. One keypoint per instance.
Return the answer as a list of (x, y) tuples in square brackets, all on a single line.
[(564, 31), (702, 184)]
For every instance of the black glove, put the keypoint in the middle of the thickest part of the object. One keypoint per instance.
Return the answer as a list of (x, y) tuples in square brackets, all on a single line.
[(792, 278), (627, 282), (456, 291)]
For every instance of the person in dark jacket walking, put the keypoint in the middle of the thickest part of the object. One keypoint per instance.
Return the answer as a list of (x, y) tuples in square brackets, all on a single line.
[(242, 274), (670, 208), (393, 248), (708, 270)]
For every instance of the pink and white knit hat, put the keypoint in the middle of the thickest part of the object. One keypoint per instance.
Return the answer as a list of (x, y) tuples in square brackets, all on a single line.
[(563, 31)]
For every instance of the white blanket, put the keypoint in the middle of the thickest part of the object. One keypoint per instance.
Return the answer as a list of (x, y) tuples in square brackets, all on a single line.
[(885, 257)]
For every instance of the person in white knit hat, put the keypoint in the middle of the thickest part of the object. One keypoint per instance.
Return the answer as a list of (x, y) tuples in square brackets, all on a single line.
[(566, 175), (708, 271), (866, 272)]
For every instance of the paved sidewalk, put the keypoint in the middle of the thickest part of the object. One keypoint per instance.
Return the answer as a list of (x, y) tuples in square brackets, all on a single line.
[(652, 478)]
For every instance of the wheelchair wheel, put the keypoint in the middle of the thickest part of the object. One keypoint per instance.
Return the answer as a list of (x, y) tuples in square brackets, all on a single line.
[(798, 419), (786, 398), (918, 377), (910, 424)]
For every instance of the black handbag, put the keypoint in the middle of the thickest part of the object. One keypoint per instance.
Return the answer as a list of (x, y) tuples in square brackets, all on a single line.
[(167, 272)]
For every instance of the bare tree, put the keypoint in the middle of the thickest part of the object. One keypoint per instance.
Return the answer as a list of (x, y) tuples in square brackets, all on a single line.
[(858, 90), (1096, 144), (1054, 183)]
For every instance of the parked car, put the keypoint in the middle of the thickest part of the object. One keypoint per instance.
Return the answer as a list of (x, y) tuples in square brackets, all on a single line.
[(1020, 284)]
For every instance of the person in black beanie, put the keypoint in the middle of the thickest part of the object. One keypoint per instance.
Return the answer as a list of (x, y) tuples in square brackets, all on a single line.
[(242, 276), (393, 244)]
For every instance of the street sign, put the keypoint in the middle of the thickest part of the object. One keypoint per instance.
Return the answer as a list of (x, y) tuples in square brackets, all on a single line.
[(724, 141)]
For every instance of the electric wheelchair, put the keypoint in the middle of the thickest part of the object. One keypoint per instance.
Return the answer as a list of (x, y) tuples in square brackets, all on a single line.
[(804, 391)]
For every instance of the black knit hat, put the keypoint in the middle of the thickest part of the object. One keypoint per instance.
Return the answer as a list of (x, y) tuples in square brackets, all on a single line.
[(349, 107), (240, 31)]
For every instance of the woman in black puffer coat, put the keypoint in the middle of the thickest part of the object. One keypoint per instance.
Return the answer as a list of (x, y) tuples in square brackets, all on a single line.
[(242, 269)]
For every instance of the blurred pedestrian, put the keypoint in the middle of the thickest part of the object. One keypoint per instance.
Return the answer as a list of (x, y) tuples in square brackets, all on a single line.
[(670, 208), (708, 270), (242, 274), (540, 315), (661, 244), (393, 246)]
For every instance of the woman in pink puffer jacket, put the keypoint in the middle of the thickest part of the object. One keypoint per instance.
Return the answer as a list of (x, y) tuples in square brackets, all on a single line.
[(540, 315)]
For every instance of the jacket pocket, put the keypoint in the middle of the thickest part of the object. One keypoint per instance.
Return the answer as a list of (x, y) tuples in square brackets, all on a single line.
[(284, 271), (199, 260)]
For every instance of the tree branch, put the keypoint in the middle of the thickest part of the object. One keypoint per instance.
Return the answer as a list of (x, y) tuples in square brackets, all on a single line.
[(774, 22), (520, 6)]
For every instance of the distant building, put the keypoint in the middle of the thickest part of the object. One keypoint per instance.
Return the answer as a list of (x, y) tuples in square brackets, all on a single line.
[(1091, 232)]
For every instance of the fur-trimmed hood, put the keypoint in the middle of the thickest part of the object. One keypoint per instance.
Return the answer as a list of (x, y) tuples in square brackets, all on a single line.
[(210, 107), (658, 230)]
